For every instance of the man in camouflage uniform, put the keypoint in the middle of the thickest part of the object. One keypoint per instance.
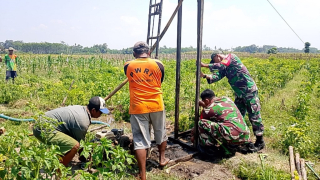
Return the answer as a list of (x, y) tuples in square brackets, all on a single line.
[(244, 86), (221, 121)]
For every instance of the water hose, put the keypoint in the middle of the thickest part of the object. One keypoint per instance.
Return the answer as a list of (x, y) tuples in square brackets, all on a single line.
[(31, 120), (15, 119), (100, 122)]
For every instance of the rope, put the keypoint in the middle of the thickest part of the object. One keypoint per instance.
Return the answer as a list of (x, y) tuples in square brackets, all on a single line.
[(285, 21)]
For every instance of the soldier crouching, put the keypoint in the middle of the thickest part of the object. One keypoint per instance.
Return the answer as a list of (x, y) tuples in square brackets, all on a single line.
[(221, 123)]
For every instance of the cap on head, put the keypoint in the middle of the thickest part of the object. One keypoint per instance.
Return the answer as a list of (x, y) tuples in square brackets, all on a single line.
[(98, 103), (10, 49), (141, 47), (214, 53)]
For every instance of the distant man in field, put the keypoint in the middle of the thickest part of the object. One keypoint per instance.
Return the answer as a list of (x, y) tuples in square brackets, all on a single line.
[(244, 86), (145, 76), (220, 120), (76, 120), (11, 63)]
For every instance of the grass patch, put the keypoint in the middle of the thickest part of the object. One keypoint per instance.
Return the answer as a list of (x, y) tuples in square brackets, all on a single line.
[(254, 171)]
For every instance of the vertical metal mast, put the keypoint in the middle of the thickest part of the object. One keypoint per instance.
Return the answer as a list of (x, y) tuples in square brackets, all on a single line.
[(178, 62), (154, 10), (149, 22), (199, 56)]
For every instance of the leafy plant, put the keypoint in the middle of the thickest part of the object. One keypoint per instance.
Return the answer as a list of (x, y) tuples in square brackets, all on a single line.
[(110, 161), (253, 171), (25, 157), (297, 136)]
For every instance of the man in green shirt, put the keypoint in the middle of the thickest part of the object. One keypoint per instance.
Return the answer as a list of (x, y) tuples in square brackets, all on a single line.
[(76, 120), (11, 63)]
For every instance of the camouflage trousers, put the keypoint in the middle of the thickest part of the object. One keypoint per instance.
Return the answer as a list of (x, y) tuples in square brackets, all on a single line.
[(225, 132), (251, 104)]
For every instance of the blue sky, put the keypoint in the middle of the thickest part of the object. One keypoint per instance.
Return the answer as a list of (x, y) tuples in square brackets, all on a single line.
[(227, 23)]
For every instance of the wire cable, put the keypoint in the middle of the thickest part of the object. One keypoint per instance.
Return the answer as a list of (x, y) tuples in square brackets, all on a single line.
[(285, 21)]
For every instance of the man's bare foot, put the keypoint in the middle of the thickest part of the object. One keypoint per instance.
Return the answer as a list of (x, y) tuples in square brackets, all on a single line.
[(164, 162)]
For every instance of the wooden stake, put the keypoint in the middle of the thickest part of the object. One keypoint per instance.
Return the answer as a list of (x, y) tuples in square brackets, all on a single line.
[(292, 169), (116, 90), (181, 159), (65, 98), (2, 130), (303, 169), (91, 130), (298, 165)]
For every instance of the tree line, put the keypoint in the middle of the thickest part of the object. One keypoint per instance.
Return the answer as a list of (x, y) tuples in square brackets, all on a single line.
[(62, 47), (53, 48), (274, 49)]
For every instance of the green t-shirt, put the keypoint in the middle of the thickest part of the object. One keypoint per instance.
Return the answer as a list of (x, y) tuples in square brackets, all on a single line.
[(11, 62)]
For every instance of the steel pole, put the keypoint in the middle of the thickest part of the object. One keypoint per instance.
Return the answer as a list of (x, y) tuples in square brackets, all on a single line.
[(149, 19), (158, 34), (199, 55), (178, 62)]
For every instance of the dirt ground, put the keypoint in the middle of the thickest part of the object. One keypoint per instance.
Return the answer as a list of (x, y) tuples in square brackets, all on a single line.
[(198, 167)]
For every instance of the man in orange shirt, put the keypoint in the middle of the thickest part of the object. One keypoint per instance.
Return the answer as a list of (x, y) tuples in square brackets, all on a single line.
[(145, 76)]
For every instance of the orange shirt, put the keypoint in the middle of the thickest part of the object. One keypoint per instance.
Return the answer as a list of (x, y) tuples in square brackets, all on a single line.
[(145, 76)]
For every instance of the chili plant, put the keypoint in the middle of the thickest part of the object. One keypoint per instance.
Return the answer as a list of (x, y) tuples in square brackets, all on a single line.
[(110, 161)]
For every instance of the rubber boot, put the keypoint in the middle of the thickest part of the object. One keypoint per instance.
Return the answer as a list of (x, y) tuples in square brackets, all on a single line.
[(259, 144)]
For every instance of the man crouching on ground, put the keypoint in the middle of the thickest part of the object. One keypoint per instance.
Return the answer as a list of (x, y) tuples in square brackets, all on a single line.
[(220, 120), (76, 120), (145, 76)]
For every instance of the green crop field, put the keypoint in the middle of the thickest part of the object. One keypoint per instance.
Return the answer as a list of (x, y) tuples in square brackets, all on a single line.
[(289, 91)]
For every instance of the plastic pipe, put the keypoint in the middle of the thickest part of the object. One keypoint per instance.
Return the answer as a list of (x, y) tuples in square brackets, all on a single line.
[(15, 119), (100, 122)]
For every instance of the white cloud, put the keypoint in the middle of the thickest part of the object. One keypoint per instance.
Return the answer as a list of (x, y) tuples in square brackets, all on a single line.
[(58, 21), (39, 27), (187, 13), (130, 24), (232, 18), (168, 8), (42, 26), (281, 2), (308, 8), (130, 20)]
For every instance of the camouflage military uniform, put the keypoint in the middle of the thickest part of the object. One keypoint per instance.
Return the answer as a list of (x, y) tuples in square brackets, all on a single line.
[(222, 121), (244, 86)]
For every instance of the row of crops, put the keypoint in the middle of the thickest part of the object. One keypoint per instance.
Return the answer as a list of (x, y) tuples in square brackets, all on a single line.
[(301, 130), (43, 82)]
